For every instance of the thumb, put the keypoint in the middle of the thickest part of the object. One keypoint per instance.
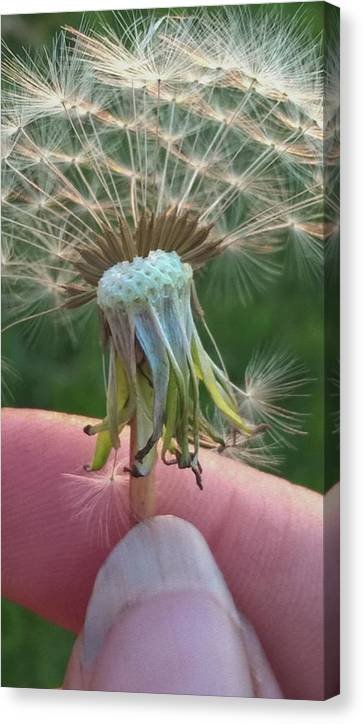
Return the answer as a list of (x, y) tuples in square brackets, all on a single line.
[(161, 620)]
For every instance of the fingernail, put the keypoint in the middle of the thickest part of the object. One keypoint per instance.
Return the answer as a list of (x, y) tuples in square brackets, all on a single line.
[(162, 619), (164, 554)]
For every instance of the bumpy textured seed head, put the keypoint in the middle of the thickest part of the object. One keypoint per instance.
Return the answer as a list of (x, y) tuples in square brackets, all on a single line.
[(143, 280)]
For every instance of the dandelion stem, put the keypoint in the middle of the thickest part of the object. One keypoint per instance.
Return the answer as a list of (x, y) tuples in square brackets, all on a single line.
[(141, 489)]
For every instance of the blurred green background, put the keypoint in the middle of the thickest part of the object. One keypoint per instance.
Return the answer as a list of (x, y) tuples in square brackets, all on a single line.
[(54, 371)]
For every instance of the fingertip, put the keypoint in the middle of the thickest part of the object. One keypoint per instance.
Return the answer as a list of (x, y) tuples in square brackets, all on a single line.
[(161, 620), (176, 643)]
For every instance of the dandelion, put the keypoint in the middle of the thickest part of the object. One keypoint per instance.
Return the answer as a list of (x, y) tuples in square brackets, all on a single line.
[(137, 156)]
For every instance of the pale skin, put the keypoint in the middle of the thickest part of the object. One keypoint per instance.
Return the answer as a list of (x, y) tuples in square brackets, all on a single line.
[(266, 536)]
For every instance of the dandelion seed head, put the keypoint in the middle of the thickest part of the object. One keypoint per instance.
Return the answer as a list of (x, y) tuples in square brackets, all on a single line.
[(137, 155), (136, 282)]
